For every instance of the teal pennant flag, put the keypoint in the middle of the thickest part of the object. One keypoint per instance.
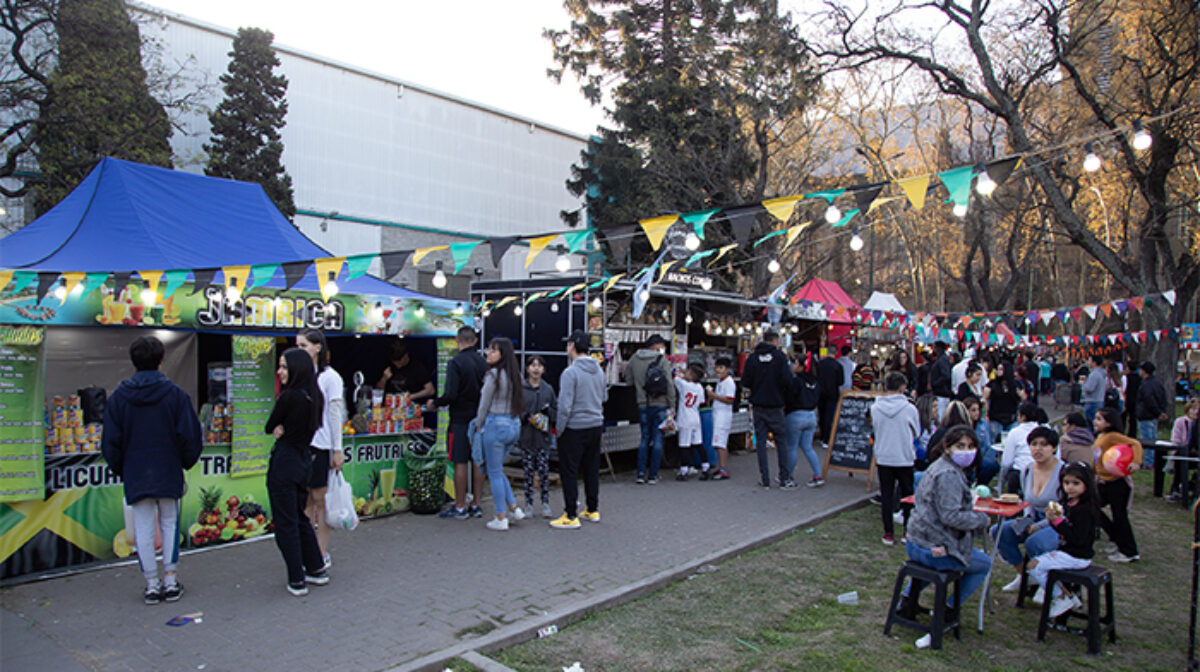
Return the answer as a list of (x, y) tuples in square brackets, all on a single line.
[(461, 253), (576, 239), (93, 281), (846, 218), (699, 219), (260, 274), (958, 183), (357, 265)]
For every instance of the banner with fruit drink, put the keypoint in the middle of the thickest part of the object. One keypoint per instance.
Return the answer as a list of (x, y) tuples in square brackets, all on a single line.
[(252, 396), (376, 471), (22, 428)]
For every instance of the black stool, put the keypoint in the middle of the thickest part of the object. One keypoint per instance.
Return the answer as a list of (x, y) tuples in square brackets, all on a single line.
[(939, 624), (1027, 588), (1090, 578)]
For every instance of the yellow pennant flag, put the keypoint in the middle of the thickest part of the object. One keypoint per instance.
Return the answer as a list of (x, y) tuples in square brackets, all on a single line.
[(420, 254), (151, 278), (612, 281), (534, 297), (236, 275), (507, 299), (794, 231), (721, 252), (536, 245), (70, 279), (5, 276), (663, 268), (914, 188), (882, 201), (782, 208), (327, 269), (574, 288), (656, 228)]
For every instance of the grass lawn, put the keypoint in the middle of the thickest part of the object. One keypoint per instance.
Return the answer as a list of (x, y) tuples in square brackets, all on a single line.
[(776, 609)]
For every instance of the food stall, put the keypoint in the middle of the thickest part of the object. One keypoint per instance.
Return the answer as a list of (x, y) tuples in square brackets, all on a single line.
[(70, 305)]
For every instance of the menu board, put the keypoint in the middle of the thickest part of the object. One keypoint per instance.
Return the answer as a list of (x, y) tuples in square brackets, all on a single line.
[(850, 445), (22, 422), (251, 396)]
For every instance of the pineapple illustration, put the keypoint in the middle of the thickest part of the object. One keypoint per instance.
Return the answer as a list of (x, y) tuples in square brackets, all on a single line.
[(210, 503)]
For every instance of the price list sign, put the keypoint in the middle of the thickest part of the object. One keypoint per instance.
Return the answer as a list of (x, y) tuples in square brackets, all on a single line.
[(22, 430), (252, 395)]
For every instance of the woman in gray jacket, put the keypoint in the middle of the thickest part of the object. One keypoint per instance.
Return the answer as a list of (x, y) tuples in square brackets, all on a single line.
[(500, 404), (940, 531)]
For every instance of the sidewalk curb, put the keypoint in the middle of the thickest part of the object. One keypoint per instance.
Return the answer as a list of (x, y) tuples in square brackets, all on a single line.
[(526, 629)]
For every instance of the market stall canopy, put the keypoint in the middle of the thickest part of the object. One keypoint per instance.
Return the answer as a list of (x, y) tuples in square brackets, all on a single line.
[(826, 292), (128, 216), (884, 301)]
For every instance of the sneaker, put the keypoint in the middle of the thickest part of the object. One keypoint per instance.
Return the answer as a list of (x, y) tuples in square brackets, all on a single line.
[(475, 511), (924, 641), (706, 474), (653, 480), (455, 512), (641, 479), (173, 592), (764, 485), (593, 516), (546, 511), (318, 578), (153, 594), (1174, 497), (682, 476), (298, 589), (518, 514), (1121, 557), (692, 471), (889, 540), (1110, 548), (565, 523), (1061, 605), (1013, 585), (789, 484), (326, 561), (898, 517), (498, 524), (721, 475), (816, 482), (1040, 596), (876, 500)]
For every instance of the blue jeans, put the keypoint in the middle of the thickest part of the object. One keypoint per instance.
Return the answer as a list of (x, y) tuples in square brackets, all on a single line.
[(995, 428), (1009, 543), (989, 466), (973, 574), (650, 418), (801, 426), (500, 433), (1148, 434), (1089, 410)]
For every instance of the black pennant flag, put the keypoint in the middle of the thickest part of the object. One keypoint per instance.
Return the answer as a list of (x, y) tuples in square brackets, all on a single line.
[(293, 271), (393, 262), (120, 279), (46, 280), (866, 194), (499, 247), (619, 239), (203, 278), (1000, 170), (741, 221)]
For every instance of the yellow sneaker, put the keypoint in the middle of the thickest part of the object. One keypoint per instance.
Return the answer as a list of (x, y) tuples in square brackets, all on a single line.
[(593, 516), (565, 523)]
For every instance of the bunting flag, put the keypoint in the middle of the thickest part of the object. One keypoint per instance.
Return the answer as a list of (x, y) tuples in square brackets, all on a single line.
[(767, 237), (793, 232), (741, 221), (536, 245), (236, 274), (45, 281), (612, 281), (1000, 170), (499, 247), (575, 288), (697, 256), (642, 288), (461, 253), (294, 272), (558, 292), (828, 195), (204, 278), (420, 253), (880, 202), (662, 270), (358, 265), (23, 279), (619, 238), (151, 278), (656, 228), (846, 218), (508, 299), (72, 278), (1169, 295), (260, 274), (175, 279), (699, 219), (721, 252), (328, 269), (576, 239), (865, 195), (958, 183), (915, 189), (533, 297), (5, 276), (393, 263), (781, 208)]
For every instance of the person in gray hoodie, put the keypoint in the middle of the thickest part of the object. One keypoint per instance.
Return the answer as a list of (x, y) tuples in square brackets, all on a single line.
[(897, 424), (652, 408), (1092, 394), (580, 427)]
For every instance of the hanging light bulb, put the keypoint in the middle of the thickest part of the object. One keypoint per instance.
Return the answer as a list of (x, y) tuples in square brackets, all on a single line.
[(1141, 137), (554, 307), (856, 241), (60, 292), (644, 296), (832, 214), (691, 241), (1091, 162), (741, 330), (716, 330), (666, 314), (773, 265), (517, 310), (331, 287), (439, 276), (707, 325), (597, 304), (563, 263), (960, 209), (149, 296), (706, 283), (486, 312), (984, 184), (420, 312), (376, 311), (232, 293), (458, 308)]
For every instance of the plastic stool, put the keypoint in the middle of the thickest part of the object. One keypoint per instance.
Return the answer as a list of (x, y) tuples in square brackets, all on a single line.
[(938, 625), (1091, 578)]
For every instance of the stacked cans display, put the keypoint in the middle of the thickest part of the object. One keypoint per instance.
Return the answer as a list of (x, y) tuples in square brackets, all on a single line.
[(219, 425), (393, 414), (65, 431)]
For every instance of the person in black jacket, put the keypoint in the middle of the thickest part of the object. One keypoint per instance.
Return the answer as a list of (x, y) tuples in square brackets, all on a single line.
[(151, 435), (464, 380), (768, 377), (1074, 518), (1151, 407), (940, 377), (829, 379), (294, 419), (801, 407)]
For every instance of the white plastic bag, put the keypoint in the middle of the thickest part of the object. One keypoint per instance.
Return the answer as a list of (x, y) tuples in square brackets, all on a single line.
[(339, 503)]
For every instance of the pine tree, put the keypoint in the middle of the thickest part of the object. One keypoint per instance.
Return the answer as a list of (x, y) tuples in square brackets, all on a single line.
[(97, 103), (245, 126)]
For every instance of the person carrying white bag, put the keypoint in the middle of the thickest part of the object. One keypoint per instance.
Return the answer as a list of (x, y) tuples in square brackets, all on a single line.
[(339, 503)]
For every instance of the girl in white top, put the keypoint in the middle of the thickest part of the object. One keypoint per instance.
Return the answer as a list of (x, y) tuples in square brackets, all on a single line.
[(687, 420), (327, 442)]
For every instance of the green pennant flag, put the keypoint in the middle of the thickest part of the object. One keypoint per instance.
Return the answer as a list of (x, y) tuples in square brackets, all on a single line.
[(558, 291), (357, 265), (958, 183), (576, 239), (762, 240), (21, 280), (699, 219), (641, 272), (828, 195), (599, 282), (93, 281), (698, 256), (261, 273), (461, 253), (846, 218)]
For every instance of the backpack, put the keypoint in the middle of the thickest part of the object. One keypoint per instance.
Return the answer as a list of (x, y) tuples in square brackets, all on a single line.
[(655, 384), (1112, 396)]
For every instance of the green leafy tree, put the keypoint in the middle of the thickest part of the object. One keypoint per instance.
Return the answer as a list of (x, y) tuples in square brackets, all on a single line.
[(96, 102), (245, 126)]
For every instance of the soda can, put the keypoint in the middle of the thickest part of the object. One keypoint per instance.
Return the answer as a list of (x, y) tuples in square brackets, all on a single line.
[(547, 631), (226, 436), (373, 426), (77, 416), (60, 403), (73, 401), (377, 414)]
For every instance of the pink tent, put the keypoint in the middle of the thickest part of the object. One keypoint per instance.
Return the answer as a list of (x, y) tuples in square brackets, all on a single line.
[(836, 301)]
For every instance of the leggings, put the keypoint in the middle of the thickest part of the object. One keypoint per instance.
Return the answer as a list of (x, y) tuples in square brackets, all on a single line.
[(536, 461), (152, 515), (889, 479)]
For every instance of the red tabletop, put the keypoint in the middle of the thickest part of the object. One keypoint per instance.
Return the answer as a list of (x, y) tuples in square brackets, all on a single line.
[(989, 506)]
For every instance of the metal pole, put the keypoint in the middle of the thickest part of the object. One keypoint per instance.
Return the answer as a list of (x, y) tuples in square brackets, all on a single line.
[(1192, 663), (871, 274)]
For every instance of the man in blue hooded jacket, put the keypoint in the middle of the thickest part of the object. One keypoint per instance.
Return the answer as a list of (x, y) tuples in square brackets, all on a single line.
[(151, 435)]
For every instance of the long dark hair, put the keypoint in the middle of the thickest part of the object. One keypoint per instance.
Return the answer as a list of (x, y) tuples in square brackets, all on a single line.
[(315, 336), (1082, 471), (508, 366), (906, 368), (1112, 416), (303, 377), (953, 436)]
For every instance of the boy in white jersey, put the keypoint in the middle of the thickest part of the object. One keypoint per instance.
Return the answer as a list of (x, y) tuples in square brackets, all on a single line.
[(687, 420), (722, 414)]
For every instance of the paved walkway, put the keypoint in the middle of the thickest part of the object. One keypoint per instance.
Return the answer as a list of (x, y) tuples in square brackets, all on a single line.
[(403, 587)]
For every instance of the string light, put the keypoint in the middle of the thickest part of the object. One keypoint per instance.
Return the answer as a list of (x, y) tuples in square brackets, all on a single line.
[(692, 241), (1091, 162), (688, 318), (984, 184), (554, 306), (517, 309), (832, 214), (232, 293), (420, 312), (597, 304), (960, 209), (707, 325), (149, 296), (331, 287), (773, 265), (706, 283), (644, 295), (439, 277), (1141, 137), (60, 292), (856, 241), (563, 263)]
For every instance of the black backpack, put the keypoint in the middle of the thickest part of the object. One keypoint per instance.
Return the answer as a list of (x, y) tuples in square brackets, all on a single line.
[(655, 384), (1112, 397)]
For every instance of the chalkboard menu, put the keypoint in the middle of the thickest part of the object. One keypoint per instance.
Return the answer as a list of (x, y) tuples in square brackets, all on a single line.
[(850, 446)]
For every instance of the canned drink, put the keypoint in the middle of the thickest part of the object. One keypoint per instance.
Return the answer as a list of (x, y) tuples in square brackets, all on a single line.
[(547, 631), (226, 436), (377, 414), (211, 437), (79, 434), (77, 416), (70, 448), (373, 426), (93, 431), (60, 403), (73, 401)]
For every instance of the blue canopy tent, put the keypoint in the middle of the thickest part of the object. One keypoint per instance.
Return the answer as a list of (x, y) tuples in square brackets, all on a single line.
[(128, 216)]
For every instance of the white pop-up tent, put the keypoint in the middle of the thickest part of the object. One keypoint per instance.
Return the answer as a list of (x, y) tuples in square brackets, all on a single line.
[(884, 301)]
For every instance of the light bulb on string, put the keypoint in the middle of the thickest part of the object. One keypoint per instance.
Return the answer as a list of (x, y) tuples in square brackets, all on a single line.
[(149, 296), (644, 296), (688, 318), (773, 265), (420, 312), (517, 310), (1141, 137), (331, 287), (716, 330), (232, 293), (597, 304), (439, 276), (554, 306), (707, 325), (563, 263), (706, 283), (984, 184), (691, 241), (666, 314), (60, 292), (856, 241), (960, 210), (486, 312), (1091, 162), (832, 214)]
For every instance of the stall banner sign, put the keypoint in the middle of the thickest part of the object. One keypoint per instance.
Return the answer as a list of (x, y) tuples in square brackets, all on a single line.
[(447, 348), (22, 413), (1189, 334), (220, 508), (258, 310), (376, 471), (252, 395)]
